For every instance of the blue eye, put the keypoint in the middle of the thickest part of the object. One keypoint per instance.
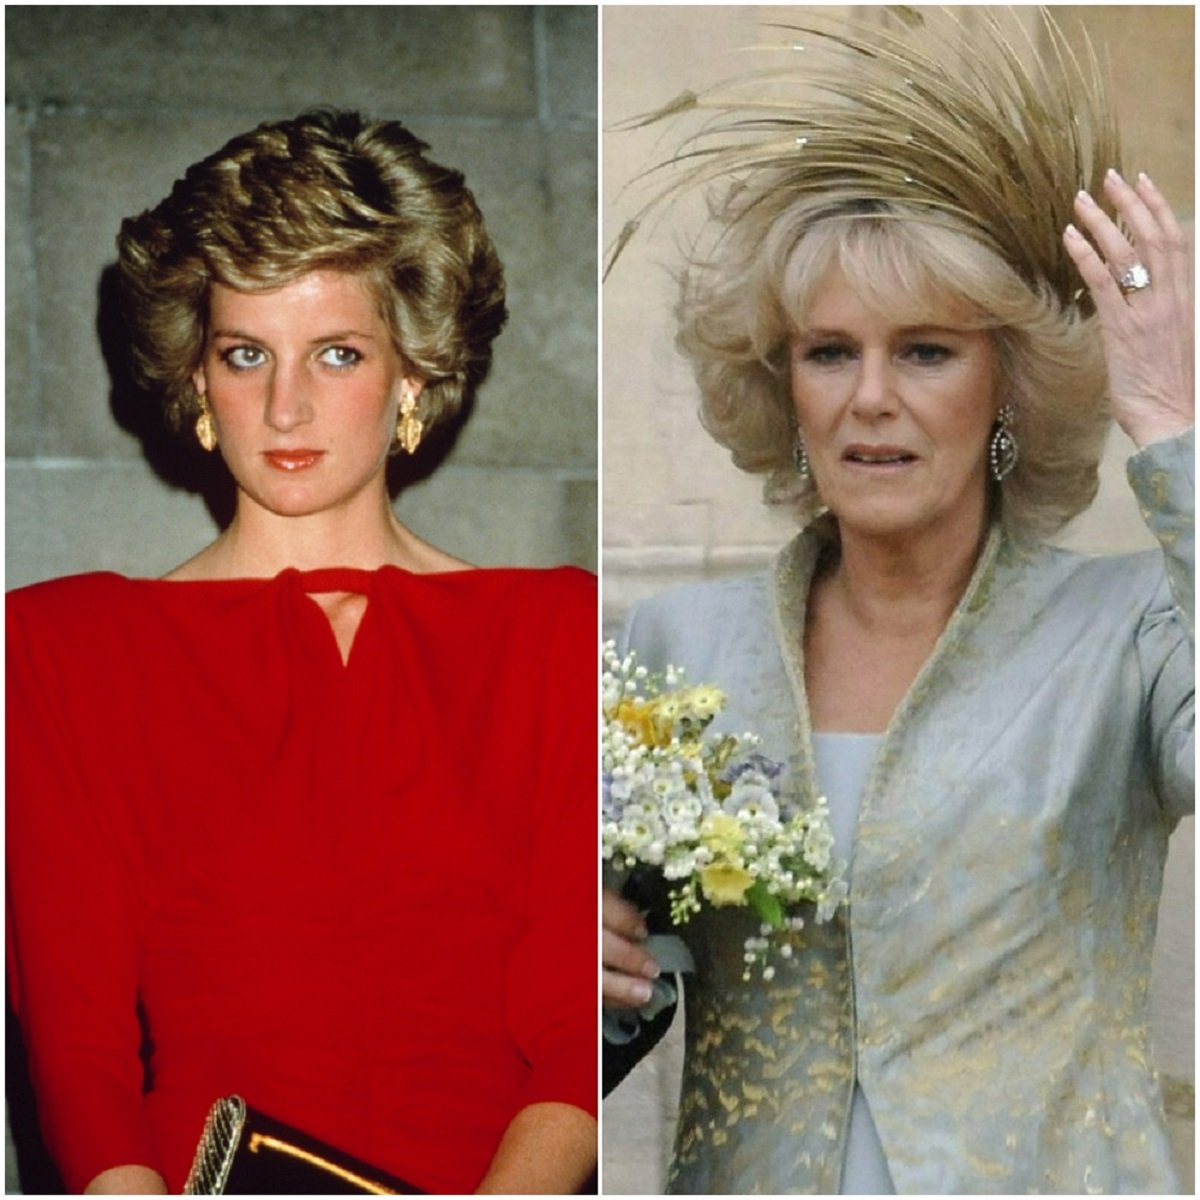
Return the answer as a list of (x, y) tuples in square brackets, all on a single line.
[(242, 358), (928, 354), (340, 356), (826, 355)]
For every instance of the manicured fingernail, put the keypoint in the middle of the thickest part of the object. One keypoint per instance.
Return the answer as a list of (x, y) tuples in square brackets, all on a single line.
[(1112, 174), (1072, 232), (640, 992), (1144, 178), (1084, 198)]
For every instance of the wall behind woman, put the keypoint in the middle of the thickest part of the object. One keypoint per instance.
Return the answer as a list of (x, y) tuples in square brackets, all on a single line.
[(106, 107), (675, 509)]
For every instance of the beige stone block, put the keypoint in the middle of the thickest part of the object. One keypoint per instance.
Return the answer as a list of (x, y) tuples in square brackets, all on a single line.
[(469, 60), (656, 453), (66, 517), (741, 517), (650, 398), (657, 527), (580, 510), (493, 516), (1112, 524), (639, 1121), (570, 80), (1151, 50), (22, 383), (1173, 980), (636, 573), (537, 192), (89, 173)]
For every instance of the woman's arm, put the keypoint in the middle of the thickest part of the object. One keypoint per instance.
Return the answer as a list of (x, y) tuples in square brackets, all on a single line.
[(547, 1149), (1163, 480), (1148, 337), (550, 1143), (72, 957), (127, 1181)]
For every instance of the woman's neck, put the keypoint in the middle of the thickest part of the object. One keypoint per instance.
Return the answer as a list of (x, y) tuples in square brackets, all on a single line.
[(260, 544), (904, 587)]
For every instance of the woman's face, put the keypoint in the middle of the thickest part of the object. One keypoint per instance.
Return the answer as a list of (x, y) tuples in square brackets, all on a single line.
[(303, 382), (895, 419)]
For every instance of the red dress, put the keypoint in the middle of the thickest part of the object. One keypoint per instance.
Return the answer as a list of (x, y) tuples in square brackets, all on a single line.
[(361, 896)]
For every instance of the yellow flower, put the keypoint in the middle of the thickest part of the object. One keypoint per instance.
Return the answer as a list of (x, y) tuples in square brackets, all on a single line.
[(637, 719), (664, 714), (723, 883), (721, 834), (704, 702)]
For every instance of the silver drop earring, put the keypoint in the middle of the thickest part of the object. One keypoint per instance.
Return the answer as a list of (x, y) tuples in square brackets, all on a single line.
[(1003, 451), (800, 458)]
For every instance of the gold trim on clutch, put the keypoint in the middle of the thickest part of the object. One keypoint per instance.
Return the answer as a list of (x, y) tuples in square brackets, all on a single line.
[(218, 1143), (266, 1142)]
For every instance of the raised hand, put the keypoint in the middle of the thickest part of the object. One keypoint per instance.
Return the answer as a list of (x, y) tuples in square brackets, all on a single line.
[(1141, 284)]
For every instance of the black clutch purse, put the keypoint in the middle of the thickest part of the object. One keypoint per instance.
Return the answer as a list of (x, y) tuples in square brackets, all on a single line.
[(242, 1152)]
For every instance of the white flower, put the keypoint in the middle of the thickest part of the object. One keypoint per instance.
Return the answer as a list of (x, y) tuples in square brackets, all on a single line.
[(684, 806), (753, 803), (679, 864), (818, 845), (642, 834), (660, 794), (831, 898)]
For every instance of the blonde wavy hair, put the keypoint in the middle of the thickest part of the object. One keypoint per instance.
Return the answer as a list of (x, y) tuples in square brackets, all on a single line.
[(742, 303), (326, 191)]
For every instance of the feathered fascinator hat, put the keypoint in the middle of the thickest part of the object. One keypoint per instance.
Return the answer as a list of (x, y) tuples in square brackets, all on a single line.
[(994, 139)]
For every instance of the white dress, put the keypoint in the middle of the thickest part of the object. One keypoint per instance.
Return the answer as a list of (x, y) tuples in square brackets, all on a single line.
[(843, 761)]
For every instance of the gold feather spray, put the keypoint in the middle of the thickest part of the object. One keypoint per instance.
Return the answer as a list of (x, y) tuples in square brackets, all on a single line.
[(997, 138)]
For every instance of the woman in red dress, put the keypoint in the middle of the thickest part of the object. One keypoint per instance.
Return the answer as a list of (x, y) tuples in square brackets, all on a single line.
[(310, 819)]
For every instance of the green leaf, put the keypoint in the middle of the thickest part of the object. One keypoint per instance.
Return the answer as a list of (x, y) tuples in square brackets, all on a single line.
[(765, 904)]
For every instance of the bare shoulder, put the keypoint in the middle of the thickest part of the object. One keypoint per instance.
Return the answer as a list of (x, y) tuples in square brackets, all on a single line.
[(426, 559), (205, 565)]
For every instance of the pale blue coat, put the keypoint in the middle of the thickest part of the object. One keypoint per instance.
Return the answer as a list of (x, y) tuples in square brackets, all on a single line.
[(1004, 887)]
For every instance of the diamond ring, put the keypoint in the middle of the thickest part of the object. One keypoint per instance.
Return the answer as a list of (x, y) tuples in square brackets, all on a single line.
[(1136, 278)]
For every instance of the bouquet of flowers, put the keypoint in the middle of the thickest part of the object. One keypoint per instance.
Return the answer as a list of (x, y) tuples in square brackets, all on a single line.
[(707, 811)]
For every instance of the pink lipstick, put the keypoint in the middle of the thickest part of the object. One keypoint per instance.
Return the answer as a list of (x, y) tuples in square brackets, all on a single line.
[(292, 460)]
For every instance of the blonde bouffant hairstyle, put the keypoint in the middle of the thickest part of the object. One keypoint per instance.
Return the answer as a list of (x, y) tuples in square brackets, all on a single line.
[(742, 304), (934, 164), (326, 191)]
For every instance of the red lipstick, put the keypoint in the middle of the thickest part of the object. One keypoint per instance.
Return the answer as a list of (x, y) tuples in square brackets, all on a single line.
[(292, 460)]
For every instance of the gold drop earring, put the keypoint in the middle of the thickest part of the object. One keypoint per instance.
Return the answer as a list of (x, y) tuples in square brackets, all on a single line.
[(206, 431), (410, 427)]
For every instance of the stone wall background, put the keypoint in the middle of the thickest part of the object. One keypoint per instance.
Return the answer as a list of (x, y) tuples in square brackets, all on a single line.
[(675, 510), (106, 106)]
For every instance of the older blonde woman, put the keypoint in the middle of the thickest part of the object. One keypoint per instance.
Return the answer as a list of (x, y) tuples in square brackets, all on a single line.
[(892, 328)]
